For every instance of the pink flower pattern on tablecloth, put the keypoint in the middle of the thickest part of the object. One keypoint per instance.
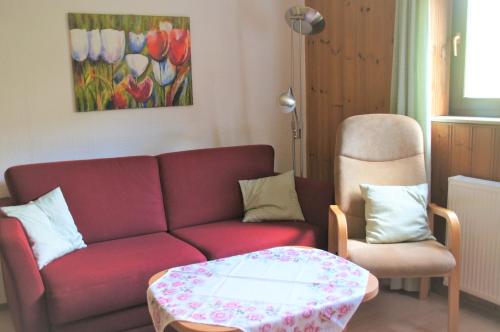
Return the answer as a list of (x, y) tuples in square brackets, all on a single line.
[(335, 288)]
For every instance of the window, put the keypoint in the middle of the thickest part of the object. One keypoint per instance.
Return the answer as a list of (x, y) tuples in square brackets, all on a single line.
[(475, 64)]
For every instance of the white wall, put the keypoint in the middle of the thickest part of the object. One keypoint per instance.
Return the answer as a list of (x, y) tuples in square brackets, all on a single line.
[(240, 58)]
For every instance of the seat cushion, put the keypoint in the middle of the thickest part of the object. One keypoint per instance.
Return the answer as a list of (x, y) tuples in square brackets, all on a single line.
[(408, 259), (112, 275), (201, 186), (108, 198), (234, 237)]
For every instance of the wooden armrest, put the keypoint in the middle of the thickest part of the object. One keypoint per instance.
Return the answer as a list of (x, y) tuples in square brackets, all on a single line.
[(452, 227), (337, 231)]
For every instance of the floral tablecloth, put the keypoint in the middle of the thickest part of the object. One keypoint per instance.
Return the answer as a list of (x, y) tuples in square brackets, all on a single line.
[(279, 289)]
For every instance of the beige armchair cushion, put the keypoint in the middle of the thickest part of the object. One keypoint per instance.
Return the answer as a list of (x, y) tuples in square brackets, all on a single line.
[(402, 172), (380, 149), (408, 259)]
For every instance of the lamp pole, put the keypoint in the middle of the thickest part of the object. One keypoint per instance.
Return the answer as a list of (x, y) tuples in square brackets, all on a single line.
[(305, 21)]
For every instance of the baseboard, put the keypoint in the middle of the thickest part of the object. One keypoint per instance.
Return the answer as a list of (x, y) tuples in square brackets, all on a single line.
[(466, 299)]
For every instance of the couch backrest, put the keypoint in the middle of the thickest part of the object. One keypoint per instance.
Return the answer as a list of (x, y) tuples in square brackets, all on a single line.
[(201, 186), (108, 198)]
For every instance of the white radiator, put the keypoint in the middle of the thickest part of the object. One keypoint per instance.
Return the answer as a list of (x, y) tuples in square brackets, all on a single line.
[(477, 204)]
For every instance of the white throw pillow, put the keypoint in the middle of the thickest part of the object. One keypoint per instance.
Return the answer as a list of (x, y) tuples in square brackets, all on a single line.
[(49, 225), (396, 213), (54, 206)]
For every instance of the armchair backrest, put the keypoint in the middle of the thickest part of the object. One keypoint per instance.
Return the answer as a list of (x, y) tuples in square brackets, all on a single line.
[(380, 149)]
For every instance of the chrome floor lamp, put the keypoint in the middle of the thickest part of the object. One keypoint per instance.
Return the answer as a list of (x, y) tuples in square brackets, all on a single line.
[(305, 21)]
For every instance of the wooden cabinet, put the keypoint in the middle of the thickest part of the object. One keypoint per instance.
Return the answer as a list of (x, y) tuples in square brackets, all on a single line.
[(470, 149), (348, 72)]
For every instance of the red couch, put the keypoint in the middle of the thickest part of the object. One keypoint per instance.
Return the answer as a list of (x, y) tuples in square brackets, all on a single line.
[(140, 215)]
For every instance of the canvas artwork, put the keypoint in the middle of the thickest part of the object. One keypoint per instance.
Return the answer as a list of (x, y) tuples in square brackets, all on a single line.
[(130, 61)]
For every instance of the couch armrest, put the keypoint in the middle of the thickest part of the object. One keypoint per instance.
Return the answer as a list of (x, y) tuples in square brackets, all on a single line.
[(23, 282), (314, 197)]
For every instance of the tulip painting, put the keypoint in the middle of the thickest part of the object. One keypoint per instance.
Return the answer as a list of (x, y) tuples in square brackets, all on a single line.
[(130, 61)]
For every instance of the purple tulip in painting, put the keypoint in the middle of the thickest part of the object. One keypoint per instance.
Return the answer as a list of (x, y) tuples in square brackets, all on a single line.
[(130, 61)]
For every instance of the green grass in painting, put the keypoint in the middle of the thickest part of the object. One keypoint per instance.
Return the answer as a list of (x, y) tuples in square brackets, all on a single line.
[(96, 82)]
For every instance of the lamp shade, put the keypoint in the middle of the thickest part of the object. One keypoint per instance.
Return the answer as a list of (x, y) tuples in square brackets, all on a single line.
[(305, 20), (287, 101)]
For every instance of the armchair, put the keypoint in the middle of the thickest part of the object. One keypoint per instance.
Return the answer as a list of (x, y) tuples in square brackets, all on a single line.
[(385, 149)]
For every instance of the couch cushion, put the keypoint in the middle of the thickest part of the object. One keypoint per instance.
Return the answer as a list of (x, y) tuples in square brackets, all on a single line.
[(112, 275), (108, 198), (234, 237), (201, 186), (408, 259)]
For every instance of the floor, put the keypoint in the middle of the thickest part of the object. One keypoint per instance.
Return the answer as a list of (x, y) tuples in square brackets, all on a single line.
[(394, 311), (397, 312)]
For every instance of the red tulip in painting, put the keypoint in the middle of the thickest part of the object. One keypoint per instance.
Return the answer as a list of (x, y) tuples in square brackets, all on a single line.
[(119, 100), (179, 46), (130, 61), (141, 91), (157, 43)]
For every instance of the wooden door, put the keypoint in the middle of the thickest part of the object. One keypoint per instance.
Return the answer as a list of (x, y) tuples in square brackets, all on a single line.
[(348, 72)]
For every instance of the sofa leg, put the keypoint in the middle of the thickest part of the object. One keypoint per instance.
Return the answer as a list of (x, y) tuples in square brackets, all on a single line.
[(453, 300), (424, 288)]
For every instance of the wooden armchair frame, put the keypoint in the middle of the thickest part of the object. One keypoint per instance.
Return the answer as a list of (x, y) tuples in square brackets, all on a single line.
[(337, 242)]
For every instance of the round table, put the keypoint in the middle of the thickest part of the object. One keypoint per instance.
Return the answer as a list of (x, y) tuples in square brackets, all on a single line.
[(185, 326)]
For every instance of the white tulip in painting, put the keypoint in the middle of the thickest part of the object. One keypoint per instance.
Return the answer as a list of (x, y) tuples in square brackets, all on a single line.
[(79, 44), (137, 63), (164, 71), (95, 45), (113, 45), (165, 26)]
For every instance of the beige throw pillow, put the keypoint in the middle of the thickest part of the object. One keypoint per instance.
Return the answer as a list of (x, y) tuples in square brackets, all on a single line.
[(271, 198)]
